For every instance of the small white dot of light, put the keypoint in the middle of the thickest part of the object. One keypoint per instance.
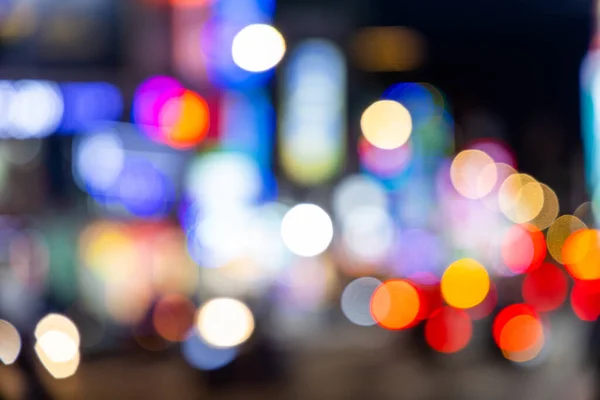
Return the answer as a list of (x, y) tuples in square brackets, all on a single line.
[(306, 230)]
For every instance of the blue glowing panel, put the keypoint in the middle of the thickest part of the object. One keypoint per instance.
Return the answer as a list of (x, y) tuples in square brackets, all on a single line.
[(88, 103), (313, 121)]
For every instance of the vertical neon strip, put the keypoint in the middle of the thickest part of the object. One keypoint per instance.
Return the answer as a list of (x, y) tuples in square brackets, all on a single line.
[(313, 121)]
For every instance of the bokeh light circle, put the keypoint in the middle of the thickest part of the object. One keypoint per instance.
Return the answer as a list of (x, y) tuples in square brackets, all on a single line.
[(225, 322), (558, 233), (448, 330), (545, 288), (473, 173), (306, 230), (523, 248), (465, 283), (10, 343), (581, 254), (258, 48), (386, 124), (173, 317), (356, 300), (521, 198), (395, 304)]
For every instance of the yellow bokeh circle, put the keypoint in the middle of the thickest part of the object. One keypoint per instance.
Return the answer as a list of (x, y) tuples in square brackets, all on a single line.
[(465, 283), (386, 124)]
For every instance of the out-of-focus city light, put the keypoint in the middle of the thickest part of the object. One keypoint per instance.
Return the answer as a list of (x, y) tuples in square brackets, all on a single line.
[(89, 103), (581, 254), (57, 345), (206, 174), (58, 370), (10, 343), (419, 251), (356, 300), (170, 114), (384, 163), (585, 300), (386, 124), (205, 357), (313, 116), (504, 316), (30, 109), (521, 198), (368, 234), (98, 161), (523, 248), (225, 322), (473, 173), (545, 288), (258, 48), (502, 171), (520, 333), (559, 231), (448, 330), (465, 283), (393, 48), (355, 192), (395, 304), (173, 317), (549, 210), (307, 230)]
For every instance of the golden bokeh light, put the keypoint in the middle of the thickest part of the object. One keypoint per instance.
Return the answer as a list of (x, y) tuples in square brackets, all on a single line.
[(521, 198), (395, 304), (549, 210), (225, 322), (386, 124), (581, 254), (473, 173), (465, 283), (521, 333), (558, 233)]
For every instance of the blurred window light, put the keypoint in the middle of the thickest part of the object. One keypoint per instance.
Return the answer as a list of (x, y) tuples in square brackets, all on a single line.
[(98, 161), (368, 234), (87, 103), (224, 322), (545, 288), (205, 357), (313, 119), (473, 174), (558, 233), (521, 198), (357, 191), (465, 283), (356, 300), (395, 304), (30, 109), (10, 343), (386, 124), (448, 330), (307, 230), (393, 48), (258, 48)]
